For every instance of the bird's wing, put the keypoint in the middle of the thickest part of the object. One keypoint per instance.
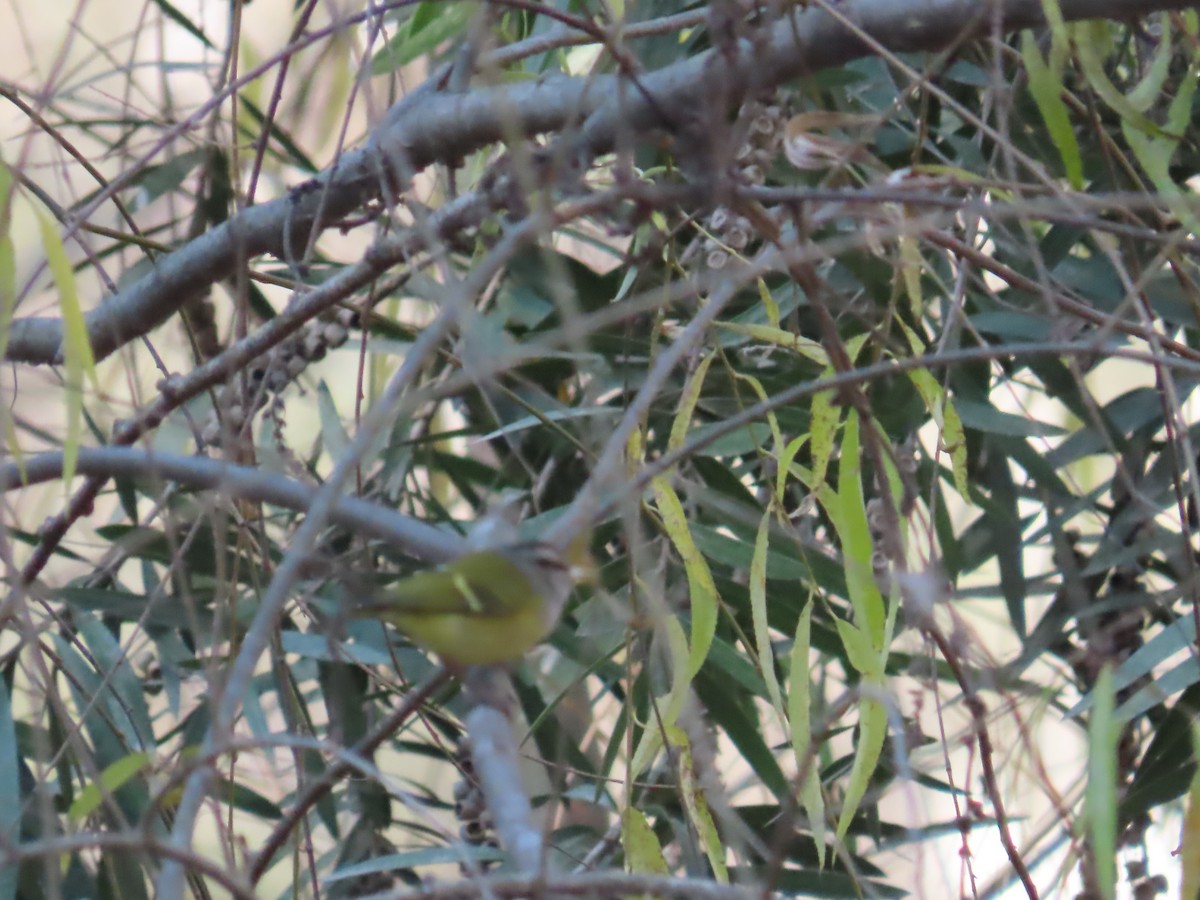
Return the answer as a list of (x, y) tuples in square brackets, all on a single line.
[(471, 588)]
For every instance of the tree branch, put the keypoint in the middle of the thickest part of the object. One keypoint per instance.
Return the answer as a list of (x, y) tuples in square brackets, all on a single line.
[(428, 126), (369, 519)]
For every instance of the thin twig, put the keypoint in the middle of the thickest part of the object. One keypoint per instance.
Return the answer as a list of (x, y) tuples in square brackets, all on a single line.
[(318, 788)]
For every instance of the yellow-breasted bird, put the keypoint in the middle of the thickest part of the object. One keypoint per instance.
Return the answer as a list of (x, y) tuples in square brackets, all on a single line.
[(485, 607)]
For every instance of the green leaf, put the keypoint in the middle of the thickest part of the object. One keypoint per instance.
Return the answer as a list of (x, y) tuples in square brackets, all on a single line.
[(1045, 83), (801, 727), (758, 610), (985, 417), (860, 650), (10, 790), (849, 513), (432, 23), (184, 21), (740, 725), (872, 730), (1104, 732), (113, 777), (687, 402), (1092, 40)]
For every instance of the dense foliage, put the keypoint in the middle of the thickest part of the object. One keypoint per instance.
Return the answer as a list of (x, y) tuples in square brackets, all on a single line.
[(861, 340)]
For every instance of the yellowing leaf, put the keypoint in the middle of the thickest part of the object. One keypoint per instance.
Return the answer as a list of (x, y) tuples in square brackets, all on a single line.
[(954, 439), (771, 334), (634, 449), (1104, 732), (769, 304), (911, 266), (668, 712), (824, 416), (697, 807), (786, 459), (643, 853), (77, 348), (872, 729), (702, 589), (1189, 850), (772, 419), (687, 403), (800, 723)]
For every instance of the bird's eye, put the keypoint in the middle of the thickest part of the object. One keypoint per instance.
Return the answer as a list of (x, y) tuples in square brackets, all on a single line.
[(548, 558)]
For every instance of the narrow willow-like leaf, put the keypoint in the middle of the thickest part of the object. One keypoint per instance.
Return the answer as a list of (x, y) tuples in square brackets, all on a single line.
[(758, 612), (1149, 89), (111, 779), (10, 791), (1092, 40), (1104, 732), (872, 730), (772, 419), (800, 722), (333, 433), (942, 409), (687, 403), (701, 588), (1189, 849), (786, 461), (824, 418), (121, 684), (780, 337), (768, 302), (668, 712), (432, 24), (77, 348), (458, 854), (697, 807), (850, 520), (860, 649), (954, 440), (1155, 152), (911, 266), (1045, 84)]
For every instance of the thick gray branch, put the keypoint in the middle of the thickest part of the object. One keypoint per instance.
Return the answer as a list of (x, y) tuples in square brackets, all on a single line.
[(431, 126), (364, 518)]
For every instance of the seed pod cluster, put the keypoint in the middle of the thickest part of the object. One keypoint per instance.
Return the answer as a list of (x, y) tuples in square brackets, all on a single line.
[(269, 375), (470, 806), (728, 234), (761, 125)]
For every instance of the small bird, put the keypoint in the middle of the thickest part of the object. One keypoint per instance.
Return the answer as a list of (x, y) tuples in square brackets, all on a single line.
[(486, 607), (808, 146)]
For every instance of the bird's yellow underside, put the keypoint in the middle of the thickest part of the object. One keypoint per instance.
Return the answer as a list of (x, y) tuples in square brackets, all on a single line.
[(474, 640)]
